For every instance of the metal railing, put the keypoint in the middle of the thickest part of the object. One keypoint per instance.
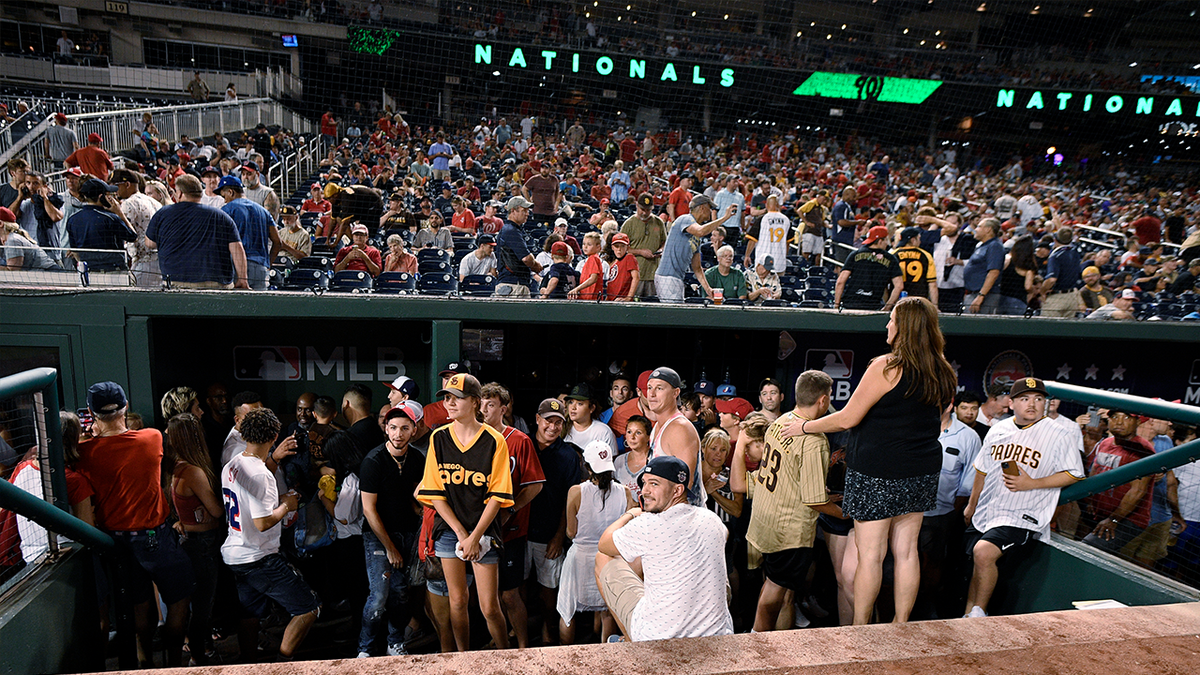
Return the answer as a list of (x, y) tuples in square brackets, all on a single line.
[(286, 175), (51, 510), (195, 120), (24, 125), (1147, 466)]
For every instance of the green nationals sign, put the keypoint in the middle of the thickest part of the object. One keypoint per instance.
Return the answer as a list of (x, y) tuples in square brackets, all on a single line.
[(1100, 103), (617, 66), (867, 87)]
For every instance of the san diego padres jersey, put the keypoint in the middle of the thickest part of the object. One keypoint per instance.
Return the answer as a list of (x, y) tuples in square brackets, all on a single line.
[(1042, 449), (790, 478)]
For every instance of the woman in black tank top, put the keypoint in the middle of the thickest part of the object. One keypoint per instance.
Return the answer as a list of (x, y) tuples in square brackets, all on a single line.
[(894, 458)]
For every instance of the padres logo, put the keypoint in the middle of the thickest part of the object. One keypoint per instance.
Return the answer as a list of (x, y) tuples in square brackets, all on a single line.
[(1030, 382)]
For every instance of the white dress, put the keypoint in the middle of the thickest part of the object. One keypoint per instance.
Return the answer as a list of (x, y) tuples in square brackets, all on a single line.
[(577, 591)]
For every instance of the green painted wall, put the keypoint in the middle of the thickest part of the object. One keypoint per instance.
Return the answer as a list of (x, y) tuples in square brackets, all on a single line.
[(49, 622)]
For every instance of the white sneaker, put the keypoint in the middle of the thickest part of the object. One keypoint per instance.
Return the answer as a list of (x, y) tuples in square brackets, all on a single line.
[(396, 650), (976, 612), (363, 655), (801, 621)]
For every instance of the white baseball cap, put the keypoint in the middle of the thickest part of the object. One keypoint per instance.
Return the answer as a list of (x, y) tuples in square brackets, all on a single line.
[(599, 456)]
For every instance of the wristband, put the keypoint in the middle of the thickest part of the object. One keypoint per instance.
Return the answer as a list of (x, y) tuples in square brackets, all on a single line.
[(802, 425)]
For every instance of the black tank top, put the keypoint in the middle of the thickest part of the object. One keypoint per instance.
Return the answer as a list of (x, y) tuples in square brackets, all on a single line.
[(898, 437), (1012, 283)]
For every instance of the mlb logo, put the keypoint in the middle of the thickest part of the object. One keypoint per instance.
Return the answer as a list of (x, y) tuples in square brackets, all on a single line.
[(836, 363), (266, 364)]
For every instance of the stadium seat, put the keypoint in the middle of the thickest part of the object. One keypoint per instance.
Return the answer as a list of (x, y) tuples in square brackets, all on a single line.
[(774, 303), (819, 295), (432, 254), (478, 285), (306, 279), (275, 278), (733, 302), (315, 262), (427, 266), (697, 301), (351, 281), (437, 284), (395, 282)]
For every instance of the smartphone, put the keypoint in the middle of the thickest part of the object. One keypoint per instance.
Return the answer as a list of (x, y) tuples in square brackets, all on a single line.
[(1093, 417), (1010, 468), (85, 419)]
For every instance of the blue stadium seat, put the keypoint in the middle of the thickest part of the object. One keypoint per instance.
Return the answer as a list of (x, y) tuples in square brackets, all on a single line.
[(697, 301), (275, 278), (437, 284), (396, 282), (306, 279), (427, 266), (432, 254), (478, 285), (350, 281), (315, 262)]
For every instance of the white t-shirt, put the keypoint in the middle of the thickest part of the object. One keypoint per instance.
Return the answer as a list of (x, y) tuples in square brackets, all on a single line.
[(250, 492), (682, 552), (471, 264), (596, 432), (349, 508), (772, 240), (1042, 449), (234, 446), (1071, 426)]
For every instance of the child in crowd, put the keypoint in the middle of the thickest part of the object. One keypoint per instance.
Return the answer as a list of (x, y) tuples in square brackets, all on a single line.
[(561, 278)]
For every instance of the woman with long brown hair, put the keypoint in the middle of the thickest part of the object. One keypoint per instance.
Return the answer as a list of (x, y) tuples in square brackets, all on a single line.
[(201, 520), (894, 458)]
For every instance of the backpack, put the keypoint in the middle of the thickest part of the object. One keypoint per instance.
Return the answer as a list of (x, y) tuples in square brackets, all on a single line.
[(314, 527)]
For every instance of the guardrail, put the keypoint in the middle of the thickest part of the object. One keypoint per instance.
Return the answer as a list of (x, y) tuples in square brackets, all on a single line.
[(287, 174), (51, 511), (1147, 466), (195, 120)]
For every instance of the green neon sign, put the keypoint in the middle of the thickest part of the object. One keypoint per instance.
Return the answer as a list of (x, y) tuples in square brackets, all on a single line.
[(1093, 102), (867, 87), (370, 41)]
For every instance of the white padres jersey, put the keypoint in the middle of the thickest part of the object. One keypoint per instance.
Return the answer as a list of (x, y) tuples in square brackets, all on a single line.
[(1042, 449), (772, 241), (249, 492)]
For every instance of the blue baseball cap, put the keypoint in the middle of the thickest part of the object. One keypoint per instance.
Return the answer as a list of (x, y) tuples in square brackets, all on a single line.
[(230, 181), (727, 390), (106, 397), (668, 467), (706, 387)]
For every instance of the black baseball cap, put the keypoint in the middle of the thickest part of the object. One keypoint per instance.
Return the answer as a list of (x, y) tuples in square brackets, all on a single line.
[(485, 239), (580, 392), (454, 367), (668, 467), (94, 188), (706, 387), (667, 375), (106, 397)]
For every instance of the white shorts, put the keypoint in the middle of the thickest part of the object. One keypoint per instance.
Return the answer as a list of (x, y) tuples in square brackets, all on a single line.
[(811, 243), (670, 289), (548, 571)]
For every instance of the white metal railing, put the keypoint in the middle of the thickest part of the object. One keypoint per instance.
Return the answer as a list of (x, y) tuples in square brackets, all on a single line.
[(287, 174), (22, 126), (195, 120)]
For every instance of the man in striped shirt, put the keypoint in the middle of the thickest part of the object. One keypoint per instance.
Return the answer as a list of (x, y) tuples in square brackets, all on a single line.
[(789, 496)]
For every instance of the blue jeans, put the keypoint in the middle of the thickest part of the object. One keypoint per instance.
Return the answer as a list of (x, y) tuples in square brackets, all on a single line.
[(1011, 306), (257, 275), (389, 589)]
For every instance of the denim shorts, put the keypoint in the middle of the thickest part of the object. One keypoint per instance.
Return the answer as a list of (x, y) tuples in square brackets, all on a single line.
[(154, 555), (272, 578), (444, 545)]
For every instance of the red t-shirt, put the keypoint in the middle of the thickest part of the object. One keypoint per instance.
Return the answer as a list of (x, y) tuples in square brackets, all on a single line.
[(621, 276), (328, 125), (1108, 455), (592, 266), (315, 206), (629, 148), (620, 416), (1148, 229), (125, 472), (435, 415), (489, 224), (464, 220), (91, 160), (526, 470), (357, 264)]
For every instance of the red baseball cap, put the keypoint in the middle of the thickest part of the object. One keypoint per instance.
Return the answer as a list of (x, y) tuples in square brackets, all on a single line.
[(94, 138), (620, 238), (61, 117), (75, 171), (7, 216), (875, 234), (560, 248), (738, 407), (644, 380)]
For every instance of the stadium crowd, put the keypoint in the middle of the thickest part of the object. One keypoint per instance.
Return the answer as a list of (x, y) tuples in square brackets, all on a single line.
[(644, 507), (810, 219)]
